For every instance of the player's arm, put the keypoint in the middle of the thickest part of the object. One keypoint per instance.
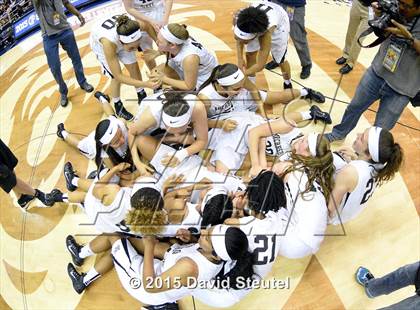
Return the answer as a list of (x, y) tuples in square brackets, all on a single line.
[(190, 68), (255, 94), (128, 5), (262, 131), (345, 182), (168, 9), (199, 124), (173, 278), (114, 65), (240, 54), (265, 47)]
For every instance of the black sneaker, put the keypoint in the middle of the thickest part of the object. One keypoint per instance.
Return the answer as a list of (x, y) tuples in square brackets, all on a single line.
[(341, 61), (60, 129), (87, 87), (141, 95), (271, 65), (24, 201), (122, 112), (287, 86), (74, 249), (69, 175), (345, 69), (99, 94), (314, 95), (56, 195), (318, 114), (46, 199), (306, 72), (92, 175), (76, 278)]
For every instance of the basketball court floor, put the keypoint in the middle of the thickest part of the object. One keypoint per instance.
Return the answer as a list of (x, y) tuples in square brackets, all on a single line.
[(33, 257)]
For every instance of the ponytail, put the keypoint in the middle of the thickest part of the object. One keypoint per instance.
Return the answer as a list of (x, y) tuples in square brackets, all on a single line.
[(391, 155)]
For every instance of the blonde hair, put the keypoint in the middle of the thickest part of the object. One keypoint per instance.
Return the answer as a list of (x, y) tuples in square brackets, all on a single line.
[(179, 31), (146, 221), (320, 168)]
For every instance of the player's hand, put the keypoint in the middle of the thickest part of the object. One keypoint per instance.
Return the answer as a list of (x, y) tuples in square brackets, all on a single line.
[(153, 83), (184, 235), (121, 167), (149, 55), (81, 19), (255, 170), (229, 125), (170, 160), (149, 240), (173, 181)]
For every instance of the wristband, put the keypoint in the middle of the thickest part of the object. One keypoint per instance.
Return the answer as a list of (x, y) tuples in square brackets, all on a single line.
[(181, 154)]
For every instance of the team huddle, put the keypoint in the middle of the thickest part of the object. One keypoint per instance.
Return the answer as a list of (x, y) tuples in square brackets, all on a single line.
[(200, 184)]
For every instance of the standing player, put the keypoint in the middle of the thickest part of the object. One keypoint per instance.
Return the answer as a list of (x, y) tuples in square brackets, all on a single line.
[(262, 27), (374, 160), (153, 12), (115, 39), (188, 65)]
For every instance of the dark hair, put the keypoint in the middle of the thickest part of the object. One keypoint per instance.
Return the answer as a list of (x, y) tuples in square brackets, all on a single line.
[(266, 193), (115, 158), (220, 71), (174, 103), (146, 215), (126, 26), (237, 248), (217, 210), (391, 155), (252, 20)]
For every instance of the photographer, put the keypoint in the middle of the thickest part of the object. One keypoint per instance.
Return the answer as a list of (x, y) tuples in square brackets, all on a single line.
[(393, 77)]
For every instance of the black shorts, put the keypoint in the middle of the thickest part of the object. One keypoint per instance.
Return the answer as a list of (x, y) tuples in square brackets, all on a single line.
[(8, 162)]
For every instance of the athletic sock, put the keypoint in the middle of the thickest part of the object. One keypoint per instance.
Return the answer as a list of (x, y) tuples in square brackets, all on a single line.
[(287, 82), (91, 276), (140, 89), (253, 79), (65, 134), (85, 251), (304, 92), (65, 197), (75, 181), (116, 99), (306, 115)]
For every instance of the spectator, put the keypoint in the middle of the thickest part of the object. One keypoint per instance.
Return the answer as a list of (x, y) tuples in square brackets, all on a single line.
[(9, 181), (402, 277), (393, 77), (56, 30), (296, 11), (358, 22)]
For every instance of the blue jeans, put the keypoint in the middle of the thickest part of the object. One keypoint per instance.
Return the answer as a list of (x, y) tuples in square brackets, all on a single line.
[(370, 89), (68, 42), (402, 277)]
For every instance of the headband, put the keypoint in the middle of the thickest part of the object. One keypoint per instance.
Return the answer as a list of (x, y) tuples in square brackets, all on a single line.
[(210, 194), (110, 132), (234, 78), (131, 37), (145, 182), (181, 120), (167, 34), (373, 143), (218, 238), (243, 35), (312, 139)]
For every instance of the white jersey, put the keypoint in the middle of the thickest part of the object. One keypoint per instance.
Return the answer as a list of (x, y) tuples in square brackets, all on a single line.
[(279, 144), (263, 240), (222, 107), (277, 16), (108, 219), (353, 203), (129, 265), (207, 61), (106, 28), (147, 6), (307, 215)]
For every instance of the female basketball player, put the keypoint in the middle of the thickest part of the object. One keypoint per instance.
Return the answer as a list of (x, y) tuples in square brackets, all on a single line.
[(153, 12), (134, 258), (228, 90), (262, 27), (374, 160), (188, 65), (115, 39), (175, 113), (264, 197)]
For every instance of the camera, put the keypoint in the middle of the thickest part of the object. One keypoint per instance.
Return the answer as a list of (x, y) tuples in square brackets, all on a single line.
[(390, 10)]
